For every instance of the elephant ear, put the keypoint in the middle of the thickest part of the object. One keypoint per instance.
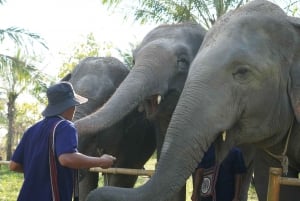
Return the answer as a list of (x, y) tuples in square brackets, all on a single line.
[(294, 91), (67, 77)]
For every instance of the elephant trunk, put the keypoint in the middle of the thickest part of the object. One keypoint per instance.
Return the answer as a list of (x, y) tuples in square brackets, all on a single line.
[(127, 97), (195, 125), (193, 128)]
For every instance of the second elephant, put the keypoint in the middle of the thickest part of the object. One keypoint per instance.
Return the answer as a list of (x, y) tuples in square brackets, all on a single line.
[(161, 65)]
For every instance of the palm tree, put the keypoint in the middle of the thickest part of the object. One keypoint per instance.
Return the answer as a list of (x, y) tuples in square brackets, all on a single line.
[(17, 78), (20, 37), (205, 12), (17, 75)]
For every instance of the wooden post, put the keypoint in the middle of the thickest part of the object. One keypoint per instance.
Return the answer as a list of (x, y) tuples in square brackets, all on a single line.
[(274, 184)]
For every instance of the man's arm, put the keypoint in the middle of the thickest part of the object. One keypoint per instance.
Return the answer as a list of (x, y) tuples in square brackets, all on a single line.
[(77, 160), (16, 167)]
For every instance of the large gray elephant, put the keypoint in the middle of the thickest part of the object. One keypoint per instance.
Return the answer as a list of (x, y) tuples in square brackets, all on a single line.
[(161, 65), (132, 140), (245, 80)]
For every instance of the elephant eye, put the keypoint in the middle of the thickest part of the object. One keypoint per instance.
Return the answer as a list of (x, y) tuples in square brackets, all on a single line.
[(242, 73), (183, 64)]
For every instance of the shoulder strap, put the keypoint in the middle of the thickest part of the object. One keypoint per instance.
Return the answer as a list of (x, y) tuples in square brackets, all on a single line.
[(52, 164)]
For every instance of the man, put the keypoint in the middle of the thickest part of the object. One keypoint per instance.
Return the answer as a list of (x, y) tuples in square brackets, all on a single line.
[(213, 182), (54, 139)]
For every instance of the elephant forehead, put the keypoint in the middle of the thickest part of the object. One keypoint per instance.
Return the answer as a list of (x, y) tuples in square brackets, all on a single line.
[(249, 40), (161, 44), (263, 23), (92, 85)]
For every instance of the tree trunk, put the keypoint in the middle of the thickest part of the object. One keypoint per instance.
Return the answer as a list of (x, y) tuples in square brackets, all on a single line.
[(11, 113)]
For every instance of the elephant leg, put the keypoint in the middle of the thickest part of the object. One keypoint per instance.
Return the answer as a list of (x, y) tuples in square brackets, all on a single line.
[(120, 180), (262, 164), (87, 184), (248, 154), (246, 181)]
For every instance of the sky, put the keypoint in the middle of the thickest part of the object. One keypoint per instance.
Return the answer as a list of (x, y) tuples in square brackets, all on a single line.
[(63, 23)]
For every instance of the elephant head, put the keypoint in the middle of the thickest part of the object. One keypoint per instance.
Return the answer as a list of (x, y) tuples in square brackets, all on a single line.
[(245, 81), (96, 78), (161, 64)]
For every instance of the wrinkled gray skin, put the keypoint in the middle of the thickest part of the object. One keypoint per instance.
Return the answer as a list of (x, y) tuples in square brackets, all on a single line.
[(245, 79), (161, 64), (132, 140)]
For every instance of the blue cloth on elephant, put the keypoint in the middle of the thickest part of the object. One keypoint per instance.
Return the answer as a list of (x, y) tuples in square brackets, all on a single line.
[(32, 152), (233, 164)]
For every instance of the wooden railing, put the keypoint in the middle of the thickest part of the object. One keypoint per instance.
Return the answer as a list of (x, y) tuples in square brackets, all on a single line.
[(275, 180), (4, 162)]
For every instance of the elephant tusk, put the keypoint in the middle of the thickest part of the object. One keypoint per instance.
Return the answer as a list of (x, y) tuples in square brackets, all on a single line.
[(224, 136), (158, 99)]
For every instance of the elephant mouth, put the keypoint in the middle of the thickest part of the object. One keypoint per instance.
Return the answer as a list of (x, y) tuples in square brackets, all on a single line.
[(150, 105)]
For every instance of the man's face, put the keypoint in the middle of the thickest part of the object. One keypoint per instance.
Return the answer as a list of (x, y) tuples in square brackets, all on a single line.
[(69, 113)]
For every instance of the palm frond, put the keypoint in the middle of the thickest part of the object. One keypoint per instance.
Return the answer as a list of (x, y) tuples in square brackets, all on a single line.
[(21, 36)]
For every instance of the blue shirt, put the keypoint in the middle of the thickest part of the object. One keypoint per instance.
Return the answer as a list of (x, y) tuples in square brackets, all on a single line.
[(33, 154), (233, 164)]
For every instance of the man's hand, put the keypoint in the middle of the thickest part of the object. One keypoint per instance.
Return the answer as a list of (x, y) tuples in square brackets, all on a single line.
[(14, 166), (106, 161)]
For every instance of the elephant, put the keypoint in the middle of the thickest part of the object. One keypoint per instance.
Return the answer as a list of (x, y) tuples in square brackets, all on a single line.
[(244, 80), (132, 140), (161, 65)]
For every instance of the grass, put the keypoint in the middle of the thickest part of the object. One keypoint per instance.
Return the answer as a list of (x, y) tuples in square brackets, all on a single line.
[(10, 184)]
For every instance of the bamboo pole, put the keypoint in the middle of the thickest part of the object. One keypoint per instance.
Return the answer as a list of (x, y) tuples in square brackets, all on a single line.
[(274, 184), (290, 181), (4, 162), (139, 172)]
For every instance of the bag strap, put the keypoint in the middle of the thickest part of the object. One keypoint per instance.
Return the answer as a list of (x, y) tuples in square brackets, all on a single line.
[(53, 170), (52, 162), (76, 185)]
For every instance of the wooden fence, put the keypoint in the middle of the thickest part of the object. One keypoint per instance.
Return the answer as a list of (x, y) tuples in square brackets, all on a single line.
[(275, 180), (4, 163)]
